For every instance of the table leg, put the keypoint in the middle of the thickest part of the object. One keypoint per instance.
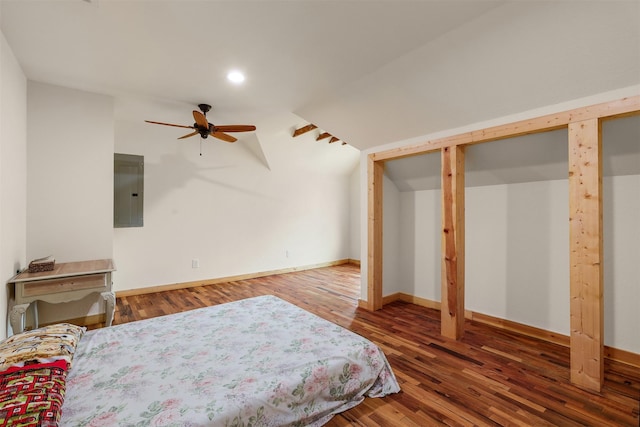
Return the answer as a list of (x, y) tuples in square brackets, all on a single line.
[(17, 317), (110, 300), (36, 319)]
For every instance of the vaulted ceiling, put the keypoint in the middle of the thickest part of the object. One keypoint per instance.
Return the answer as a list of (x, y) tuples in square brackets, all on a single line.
[(368, 72)]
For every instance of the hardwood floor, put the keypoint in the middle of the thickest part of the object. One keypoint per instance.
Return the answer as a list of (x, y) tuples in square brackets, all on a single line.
[(489, 378)]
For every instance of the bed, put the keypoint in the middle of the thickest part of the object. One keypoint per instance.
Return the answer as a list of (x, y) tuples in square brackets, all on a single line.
[(255, 362)]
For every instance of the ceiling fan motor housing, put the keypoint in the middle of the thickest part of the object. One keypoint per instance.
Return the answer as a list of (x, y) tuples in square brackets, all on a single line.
[(204, 132)]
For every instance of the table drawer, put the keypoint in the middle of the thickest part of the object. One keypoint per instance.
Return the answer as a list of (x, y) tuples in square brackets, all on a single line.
[(66, 284)]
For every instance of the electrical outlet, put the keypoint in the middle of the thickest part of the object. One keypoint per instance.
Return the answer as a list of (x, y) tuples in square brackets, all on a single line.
[(195, 263)]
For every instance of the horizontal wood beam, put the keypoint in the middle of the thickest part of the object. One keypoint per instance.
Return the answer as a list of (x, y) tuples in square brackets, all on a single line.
[(304, 129), (323, 135), (596, 113), (607, 110)]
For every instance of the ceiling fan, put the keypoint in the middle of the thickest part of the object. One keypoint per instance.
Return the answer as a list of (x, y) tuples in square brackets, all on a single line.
[(204, 128)]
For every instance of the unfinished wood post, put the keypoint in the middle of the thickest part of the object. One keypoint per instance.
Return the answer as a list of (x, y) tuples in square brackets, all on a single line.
[(586, 243), (452, 265), (375, 174)]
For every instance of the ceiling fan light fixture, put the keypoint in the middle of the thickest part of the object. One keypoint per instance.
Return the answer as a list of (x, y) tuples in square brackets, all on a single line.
[(235, 77)]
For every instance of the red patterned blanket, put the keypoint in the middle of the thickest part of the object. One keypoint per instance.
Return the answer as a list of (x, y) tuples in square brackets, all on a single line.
[(32, 395)]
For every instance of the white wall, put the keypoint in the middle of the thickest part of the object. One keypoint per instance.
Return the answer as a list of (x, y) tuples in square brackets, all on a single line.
[(13, 171), (70, 173), (228, 209), (517, 253), (622, 261), (514, 253), (354, 214), (420, 248), (233, 210), (69, 181), (392, 244)]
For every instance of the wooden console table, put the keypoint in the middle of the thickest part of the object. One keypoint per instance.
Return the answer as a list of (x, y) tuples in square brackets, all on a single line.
[(67, 282)]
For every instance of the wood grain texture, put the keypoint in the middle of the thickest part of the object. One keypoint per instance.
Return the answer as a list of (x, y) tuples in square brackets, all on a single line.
[(606, 110), (452, 263), (69, 284), (586, 249), (67, 269), (586, 288), (490, 377), (612, 353), (226, 279), (375, 193)]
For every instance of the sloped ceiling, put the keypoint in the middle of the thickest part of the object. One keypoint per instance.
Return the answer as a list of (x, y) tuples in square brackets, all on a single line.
[(176, 53), (369, 72), (537, 157), (516, 57)]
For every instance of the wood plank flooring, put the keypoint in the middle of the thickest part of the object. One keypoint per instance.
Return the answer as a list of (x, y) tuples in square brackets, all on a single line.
[(489, 378)]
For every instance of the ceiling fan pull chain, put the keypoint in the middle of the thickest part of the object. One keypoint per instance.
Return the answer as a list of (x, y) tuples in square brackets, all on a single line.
[(200, 147)]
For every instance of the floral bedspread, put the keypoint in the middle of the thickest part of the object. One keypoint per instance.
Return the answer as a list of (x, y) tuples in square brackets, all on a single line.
[(255, 362)]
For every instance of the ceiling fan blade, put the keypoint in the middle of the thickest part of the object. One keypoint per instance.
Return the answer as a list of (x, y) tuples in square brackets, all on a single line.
[(234, 128), (169, 124), (189, 134), (223, 136), (200, 119)]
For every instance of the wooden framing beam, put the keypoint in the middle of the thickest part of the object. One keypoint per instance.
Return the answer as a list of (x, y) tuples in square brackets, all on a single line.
[(304, 129), (323, 135), (585, 202), (452, 240), (619, 108), (375, 173), (586, 249)]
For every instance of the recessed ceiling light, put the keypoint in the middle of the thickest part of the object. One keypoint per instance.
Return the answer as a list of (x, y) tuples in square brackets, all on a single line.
[(235, 77)]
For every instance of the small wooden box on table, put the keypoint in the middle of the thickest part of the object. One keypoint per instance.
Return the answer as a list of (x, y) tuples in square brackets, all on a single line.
[(67, 282)]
